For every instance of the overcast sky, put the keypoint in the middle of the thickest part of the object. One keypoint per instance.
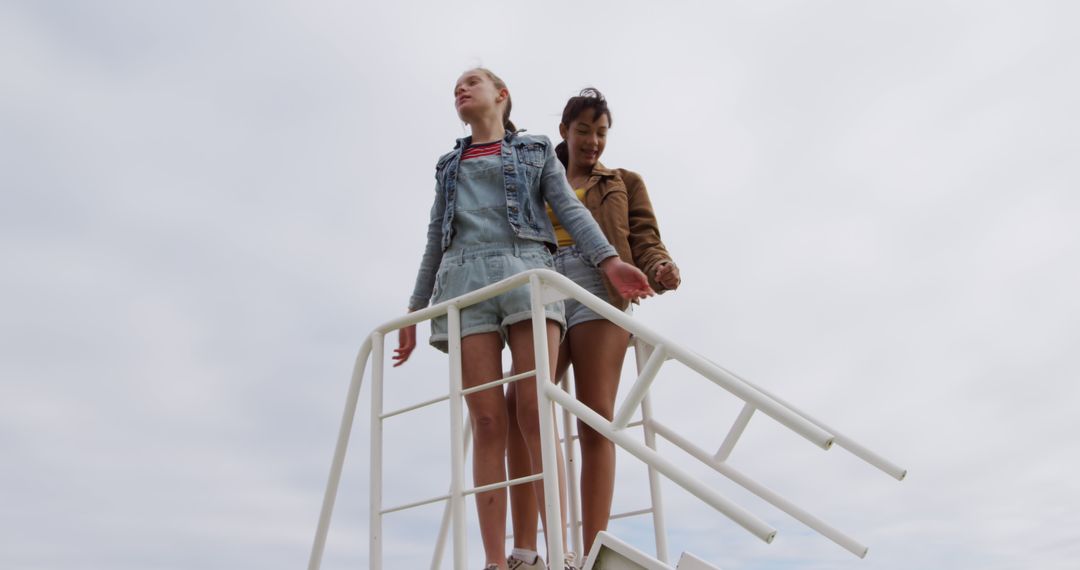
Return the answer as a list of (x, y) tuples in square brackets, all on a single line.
[(208, 205)]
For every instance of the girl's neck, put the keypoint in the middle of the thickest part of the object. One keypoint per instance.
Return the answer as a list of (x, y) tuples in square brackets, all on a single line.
[(577, 172), (488, 129)]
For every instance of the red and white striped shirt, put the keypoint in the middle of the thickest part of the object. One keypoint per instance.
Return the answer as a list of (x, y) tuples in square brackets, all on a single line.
[(479, 150)]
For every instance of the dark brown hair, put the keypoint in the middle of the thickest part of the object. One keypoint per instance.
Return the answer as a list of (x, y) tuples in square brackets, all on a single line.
[(500, 84), (588, 98)]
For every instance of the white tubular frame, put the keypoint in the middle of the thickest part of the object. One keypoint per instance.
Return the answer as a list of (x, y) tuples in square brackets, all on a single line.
[(547, 286), (573, 491), (548, 438), (642, 352)]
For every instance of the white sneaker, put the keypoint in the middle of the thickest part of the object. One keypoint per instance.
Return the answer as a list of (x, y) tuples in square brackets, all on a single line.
[(514, 563), (570, 562)]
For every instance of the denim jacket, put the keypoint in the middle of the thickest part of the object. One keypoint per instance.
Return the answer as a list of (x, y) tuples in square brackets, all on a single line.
[(532, 176)]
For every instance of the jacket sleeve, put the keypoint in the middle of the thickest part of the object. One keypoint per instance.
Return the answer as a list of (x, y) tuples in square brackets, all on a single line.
[(645, 244), (572, 214), (429, 263)]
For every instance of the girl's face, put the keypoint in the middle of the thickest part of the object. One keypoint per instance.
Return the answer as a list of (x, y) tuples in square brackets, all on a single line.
[(585, 138), (476, 96)]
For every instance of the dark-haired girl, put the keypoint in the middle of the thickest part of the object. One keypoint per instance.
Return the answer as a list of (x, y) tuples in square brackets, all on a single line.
[(594, 346), (488, 223)]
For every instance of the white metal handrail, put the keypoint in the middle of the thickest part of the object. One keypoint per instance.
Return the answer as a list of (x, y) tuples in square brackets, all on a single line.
[(575, 522), (548, 286)]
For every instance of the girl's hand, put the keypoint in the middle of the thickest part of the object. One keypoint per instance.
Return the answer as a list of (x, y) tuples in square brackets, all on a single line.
[(628, 280), (667, 274), (406, 343)]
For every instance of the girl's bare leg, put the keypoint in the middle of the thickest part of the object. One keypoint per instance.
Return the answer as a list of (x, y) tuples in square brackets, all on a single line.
[(523, 515), (481, 361), (521, 347), (597, 350), (523, 504)]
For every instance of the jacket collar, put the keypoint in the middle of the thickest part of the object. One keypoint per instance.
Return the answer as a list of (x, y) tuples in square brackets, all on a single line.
[(600, 172), (464, 142)]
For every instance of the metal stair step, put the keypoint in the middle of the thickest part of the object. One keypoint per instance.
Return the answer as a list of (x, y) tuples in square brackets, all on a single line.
[(690, 562), (611, 553)]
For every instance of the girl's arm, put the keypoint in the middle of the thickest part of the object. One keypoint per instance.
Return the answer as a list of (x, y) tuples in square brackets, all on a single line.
[(628, 280), (425, 277), (429, 263), (645, 245)]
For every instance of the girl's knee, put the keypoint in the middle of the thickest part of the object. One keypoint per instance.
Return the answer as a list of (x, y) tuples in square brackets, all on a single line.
[(605, 409), (512, 401), (528, 419), (592, 439), (489, 423)]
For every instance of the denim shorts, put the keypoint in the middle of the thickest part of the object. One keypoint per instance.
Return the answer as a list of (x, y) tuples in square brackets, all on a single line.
[(569, 262), (469, 269)]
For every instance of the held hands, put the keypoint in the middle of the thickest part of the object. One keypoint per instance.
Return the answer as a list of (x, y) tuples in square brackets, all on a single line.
[(406, 344), (628, 280), (667, 274)]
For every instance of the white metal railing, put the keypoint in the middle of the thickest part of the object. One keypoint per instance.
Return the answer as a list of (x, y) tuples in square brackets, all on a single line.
[(575, 522), (653, 350), (656, 508)]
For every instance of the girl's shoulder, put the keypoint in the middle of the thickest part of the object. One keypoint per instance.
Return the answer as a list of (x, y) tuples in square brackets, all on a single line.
[(521, 137), (444, 159), (628, 177)]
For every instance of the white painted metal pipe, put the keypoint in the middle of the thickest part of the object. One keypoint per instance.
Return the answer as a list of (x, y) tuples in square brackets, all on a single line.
[(334, 479), (850, 544), (416, 406), (548, 437), (741, 516), (659, 524), (457, 447), (551, 285), (629, 514), (466, 492), (504, 484), (470, 491), (576, 437), (470, 298), (639, 388), (465, 392), (414, 504), (375, 516), (499, 382), (819, 434), (856, 449), (751, 395), (440, 540), (444, 526), (735, 433), (642, 351), (574, 520), (706, 368)]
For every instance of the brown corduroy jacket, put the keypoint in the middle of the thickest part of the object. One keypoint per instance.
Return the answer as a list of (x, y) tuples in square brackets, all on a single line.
[(618, 200)]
